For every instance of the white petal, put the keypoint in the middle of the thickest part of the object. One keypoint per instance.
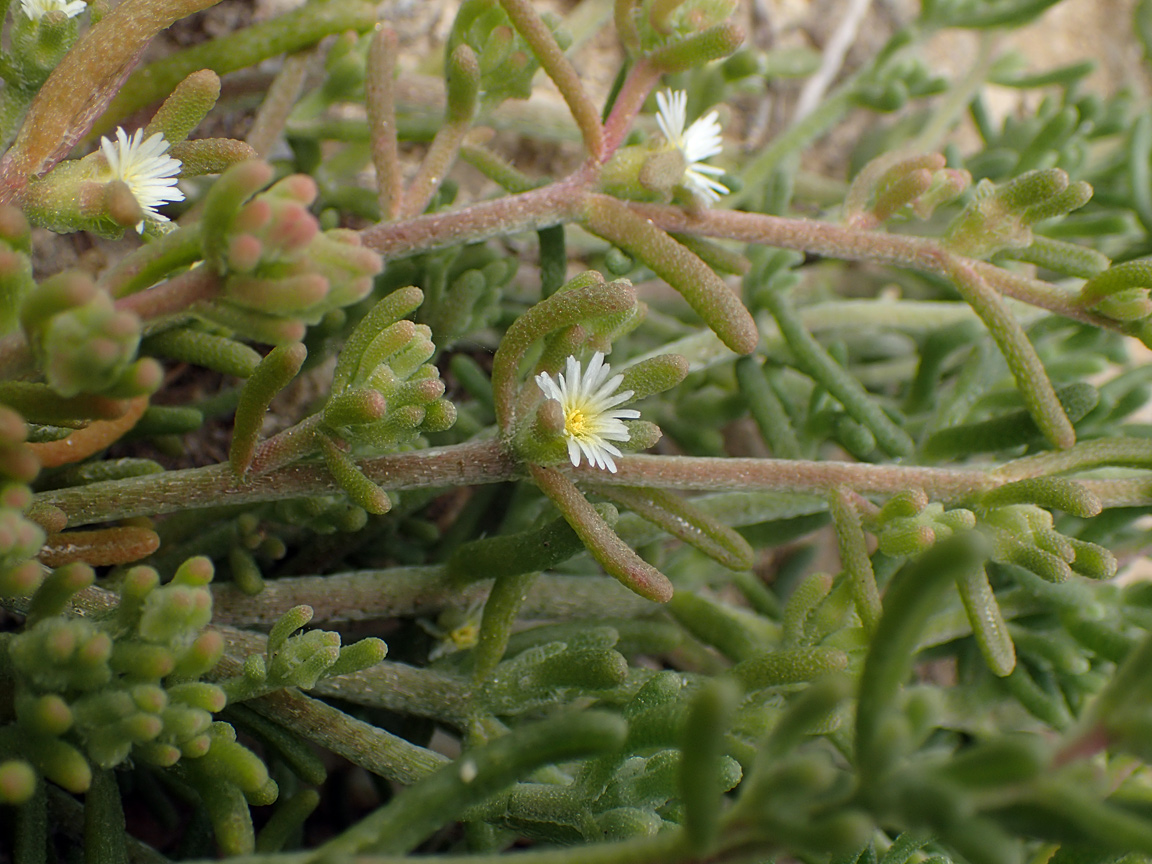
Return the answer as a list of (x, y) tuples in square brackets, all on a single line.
[(574, 451)]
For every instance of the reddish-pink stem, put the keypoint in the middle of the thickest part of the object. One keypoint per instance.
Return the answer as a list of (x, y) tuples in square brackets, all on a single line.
[(629, 101)]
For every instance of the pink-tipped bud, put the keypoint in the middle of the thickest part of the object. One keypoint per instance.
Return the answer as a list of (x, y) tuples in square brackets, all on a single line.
[(19, 463), (277, 296), (292, 228), (253, 216), (21, 580), (195, 571), (296, 187), (16, 497), (244, 253)]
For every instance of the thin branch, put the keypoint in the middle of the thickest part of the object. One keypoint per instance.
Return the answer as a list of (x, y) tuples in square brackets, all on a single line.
[(272, 116), (629, 101), (557, 66), (380, 101)]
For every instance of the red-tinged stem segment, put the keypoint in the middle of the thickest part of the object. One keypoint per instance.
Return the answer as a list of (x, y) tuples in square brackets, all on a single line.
[(529, 211), (629, 102), (853, 244), (83, 84), (477, 463), (380, 101)]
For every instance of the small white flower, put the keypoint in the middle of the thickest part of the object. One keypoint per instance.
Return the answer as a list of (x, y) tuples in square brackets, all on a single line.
[(701, 141), (147, 169), (591, 418), (37, 9)]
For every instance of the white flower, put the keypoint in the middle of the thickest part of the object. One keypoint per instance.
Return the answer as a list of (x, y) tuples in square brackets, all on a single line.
[(37, 9), (591, 418), (701, 141), (147, 169)]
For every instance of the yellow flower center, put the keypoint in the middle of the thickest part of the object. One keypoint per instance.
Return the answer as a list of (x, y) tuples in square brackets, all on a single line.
[(576, 423), (465, 636)]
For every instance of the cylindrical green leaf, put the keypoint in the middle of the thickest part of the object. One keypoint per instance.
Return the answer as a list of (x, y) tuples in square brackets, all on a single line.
[(269, 378), (500, 611), (736, 633), (701, 765), (680, 518), (987, 622), (204, 349), (613, 554), (706, 293), (422, 808), (105, 840), (855, 559), (908, 603), (789, 666), (522, 552)]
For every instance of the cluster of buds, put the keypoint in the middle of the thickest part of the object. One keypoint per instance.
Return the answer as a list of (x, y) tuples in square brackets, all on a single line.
[(1001, 217), (915, 185), (83, 343), (294, 659), (1023, 534), (385, 392), (96, 691), (1122, 294), (20, 540), (384, 395), (280, 270), (908, 524)]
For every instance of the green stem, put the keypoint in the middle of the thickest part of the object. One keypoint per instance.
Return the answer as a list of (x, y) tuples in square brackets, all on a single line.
[(557, 66), (836, 241), (528, 211), (485, 462), (444, 796), (667, 848), (1026, 367), (380, 102), (285, 34), (819, 364), (855, 559)]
